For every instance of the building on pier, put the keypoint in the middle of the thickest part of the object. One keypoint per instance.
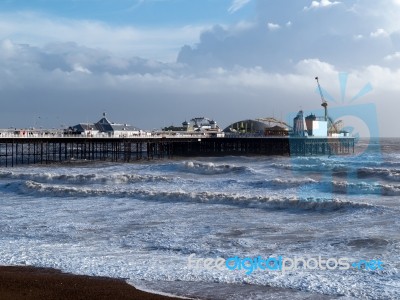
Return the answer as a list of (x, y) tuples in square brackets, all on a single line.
[(84, 129), (317, 126), (104, 128), (259, 127), (197, 125)]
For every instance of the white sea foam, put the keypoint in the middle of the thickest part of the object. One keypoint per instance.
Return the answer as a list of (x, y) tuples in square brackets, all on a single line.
[(142, 221)]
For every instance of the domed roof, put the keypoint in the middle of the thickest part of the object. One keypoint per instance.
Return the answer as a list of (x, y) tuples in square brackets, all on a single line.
[(251, 126)]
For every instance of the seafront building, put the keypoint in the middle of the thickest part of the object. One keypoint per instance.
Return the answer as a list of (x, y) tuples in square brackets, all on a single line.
[(258, 127), (201, 126), (104, 128)]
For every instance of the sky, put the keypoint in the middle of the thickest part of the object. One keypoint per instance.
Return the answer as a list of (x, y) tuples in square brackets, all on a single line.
[(155, 63)]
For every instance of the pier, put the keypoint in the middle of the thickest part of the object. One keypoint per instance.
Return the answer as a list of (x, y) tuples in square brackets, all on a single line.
[(16, 151)]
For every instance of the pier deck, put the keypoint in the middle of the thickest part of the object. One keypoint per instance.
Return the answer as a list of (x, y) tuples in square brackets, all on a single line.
[(15, 151)]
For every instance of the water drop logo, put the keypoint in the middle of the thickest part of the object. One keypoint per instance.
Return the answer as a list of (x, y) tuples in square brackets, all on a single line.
[(347, 112), (358, 119), (343, 80)]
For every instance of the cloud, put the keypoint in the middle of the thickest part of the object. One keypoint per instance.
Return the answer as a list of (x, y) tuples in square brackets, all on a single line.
[(320, 4), (68, 83), (156, 43), (344, 37), (237, 5), (79, 68), (358, 37), (69, 71), (394, 56), (273, 26), (70, 57), (379, 33)]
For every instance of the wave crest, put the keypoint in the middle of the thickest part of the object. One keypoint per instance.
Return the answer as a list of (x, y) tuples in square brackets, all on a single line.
[(272, 202), (212, 169), (365, 188), (281, 183), (85, 178)]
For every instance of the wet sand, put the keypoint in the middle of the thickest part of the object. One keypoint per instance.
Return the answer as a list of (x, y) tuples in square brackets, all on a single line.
[(39, 283)]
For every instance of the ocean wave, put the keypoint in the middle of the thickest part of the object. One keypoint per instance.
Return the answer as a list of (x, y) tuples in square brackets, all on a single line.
[(365, 188), (281, 183), (85, 178), (321, 167), (212, 169), (272, 202), (335, 187), (390, 164), (341, 170), (383, 173)]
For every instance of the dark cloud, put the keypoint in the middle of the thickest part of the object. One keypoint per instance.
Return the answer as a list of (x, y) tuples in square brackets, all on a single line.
[(70, 57), (68, 83), (341, 34)]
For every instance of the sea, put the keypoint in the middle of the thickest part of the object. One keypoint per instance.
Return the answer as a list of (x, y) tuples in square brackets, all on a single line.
[(142, 221)]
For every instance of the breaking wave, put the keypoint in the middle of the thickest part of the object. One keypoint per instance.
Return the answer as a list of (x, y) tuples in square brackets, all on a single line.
[(321, 167), (389, 174), (365, 188), (272, 202), (212, 169), (335, 187), (383, 173), (86, 178), (279, 183)]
